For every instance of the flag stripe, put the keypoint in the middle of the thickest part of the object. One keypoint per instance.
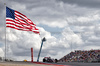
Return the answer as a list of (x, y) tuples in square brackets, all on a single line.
[(9, 20), (23, 29), (15, 25), (24, 17), (18, 18), (20, 13), (18, 28), (22, 21)]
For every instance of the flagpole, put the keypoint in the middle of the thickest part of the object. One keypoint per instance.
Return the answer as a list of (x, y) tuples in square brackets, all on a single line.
[(5, 34)]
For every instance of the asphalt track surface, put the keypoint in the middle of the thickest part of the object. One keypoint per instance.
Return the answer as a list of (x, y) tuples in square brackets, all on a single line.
[(20, 63), (48, 64), (79, 64)]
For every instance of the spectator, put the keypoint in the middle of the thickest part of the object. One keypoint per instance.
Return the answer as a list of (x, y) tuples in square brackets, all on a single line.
[(82, 56)]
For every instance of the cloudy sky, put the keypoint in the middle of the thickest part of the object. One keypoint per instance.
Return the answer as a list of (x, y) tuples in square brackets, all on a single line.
[(67, 25)]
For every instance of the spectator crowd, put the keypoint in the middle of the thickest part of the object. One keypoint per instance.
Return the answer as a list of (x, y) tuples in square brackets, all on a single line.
[(82, 56)]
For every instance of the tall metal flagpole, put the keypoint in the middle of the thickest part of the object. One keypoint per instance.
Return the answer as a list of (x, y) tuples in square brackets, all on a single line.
[(5, 32)]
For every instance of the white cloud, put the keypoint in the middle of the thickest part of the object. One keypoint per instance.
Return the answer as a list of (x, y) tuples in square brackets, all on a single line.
[(92, 47), (22, 41), (25, 40), (1, 52), (71, 37), (87, 20)]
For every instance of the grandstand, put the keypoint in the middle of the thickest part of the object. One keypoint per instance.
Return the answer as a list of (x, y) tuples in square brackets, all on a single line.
[(82, 56)]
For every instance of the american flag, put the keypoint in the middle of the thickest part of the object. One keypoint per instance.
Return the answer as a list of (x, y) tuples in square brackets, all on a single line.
[(19, 21)]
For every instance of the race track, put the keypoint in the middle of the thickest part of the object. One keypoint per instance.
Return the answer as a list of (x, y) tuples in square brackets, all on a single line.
[(79, 64), (18, 63)]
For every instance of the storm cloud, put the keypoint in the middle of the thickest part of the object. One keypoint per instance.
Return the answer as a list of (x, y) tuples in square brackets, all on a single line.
[(83, 3)]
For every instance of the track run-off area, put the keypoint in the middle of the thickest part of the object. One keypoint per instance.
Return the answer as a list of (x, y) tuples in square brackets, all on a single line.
[(20, 63)]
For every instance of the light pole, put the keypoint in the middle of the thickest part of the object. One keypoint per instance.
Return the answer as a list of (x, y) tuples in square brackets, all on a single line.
[(40, 49)]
